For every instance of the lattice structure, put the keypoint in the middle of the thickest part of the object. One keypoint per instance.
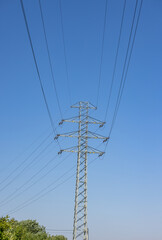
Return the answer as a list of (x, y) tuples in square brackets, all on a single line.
[(80, 229)]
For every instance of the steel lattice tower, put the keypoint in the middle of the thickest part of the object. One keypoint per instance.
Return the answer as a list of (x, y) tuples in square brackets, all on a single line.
[(80, 229)]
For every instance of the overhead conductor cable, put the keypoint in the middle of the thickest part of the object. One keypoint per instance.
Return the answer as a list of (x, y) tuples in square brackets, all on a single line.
[(115, 63), (65, 55), (49, 58), (102, 48), (127, 62), (36, 65), (124, 74)]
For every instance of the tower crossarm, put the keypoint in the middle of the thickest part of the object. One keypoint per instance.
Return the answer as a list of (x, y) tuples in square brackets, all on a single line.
[(88, 134), (73, 120), (90, 120), (95, 151), (71, 149), (97, 136), (89, 150), (84, 105), (69, 134), (96, 121)]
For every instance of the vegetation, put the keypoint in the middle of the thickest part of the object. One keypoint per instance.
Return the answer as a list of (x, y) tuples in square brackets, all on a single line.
[(11, 229)]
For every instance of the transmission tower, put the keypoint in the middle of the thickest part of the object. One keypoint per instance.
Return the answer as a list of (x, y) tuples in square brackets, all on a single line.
[(80, 228)]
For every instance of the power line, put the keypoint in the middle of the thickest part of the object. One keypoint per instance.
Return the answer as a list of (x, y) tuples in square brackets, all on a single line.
[(40, 195), (37, 69), (56, 230), (9, 198), (22, 153), (102, 48), (27, 166), (65, 55), (116, 57), (130, 53), (30, 155), (126, 67), (52, 231), (49, 58)]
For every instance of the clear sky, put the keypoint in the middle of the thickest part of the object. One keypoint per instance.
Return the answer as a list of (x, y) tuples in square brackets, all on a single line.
[(125, 188)]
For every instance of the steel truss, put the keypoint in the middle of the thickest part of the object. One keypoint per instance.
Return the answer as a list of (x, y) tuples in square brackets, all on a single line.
[(80, 229)]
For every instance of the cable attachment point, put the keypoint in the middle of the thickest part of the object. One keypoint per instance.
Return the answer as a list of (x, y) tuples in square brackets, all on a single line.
[(60, 152), (56, 137), (105, 140), (60, 123), (101, 125), (100, 155)]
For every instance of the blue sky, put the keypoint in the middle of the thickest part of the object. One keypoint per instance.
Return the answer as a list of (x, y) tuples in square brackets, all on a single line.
[(125, 189)]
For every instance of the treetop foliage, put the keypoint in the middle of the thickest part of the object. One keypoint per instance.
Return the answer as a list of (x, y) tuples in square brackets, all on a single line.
[(11, 229)]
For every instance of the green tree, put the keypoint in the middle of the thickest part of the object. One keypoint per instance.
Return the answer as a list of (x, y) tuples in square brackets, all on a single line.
[(32, 226), (5, 228), (60, 238), (10, 229)]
